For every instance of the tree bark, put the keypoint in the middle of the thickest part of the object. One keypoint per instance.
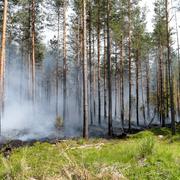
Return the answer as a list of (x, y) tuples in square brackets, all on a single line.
[(90, 63), (105, 73), (33, 61), (64, 61), (2, 60), (147, 89), (137, 87), (129, 57), (110, 131), (170, 73), (122, 81), (99, 67), (85, 79)]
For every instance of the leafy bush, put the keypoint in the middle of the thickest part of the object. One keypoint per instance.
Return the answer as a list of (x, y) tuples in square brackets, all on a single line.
[(142, 134)]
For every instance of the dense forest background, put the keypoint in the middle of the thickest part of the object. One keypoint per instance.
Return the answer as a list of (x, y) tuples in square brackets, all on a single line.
[(101, 66)]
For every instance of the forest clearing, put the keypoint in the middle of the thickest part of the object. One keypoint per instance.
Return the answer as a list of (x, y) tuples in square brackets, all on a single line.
[(147, 155), (89, 89)]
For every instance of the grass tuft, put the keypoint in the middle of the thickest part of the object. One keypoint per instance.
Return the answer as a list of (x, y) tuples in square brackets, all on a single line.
[(146, 146)]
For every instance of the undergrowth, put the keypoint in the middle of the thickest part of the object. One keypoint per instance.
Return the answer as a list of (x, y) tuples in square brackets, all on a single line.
[(147, 155)]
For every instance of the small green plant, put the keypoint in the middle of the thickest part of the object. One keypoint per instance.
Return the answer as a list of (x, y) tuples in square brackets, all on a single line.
[(142, 134), (146, 146), (80, 141)]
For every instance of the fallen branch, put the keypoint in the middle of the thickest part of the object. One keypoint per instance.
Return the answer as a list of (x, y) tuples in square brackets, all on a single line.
[(97, 146)]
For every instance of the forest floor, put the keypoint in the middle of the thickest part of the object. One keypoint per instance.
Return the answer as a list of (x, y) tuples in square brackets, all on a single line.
[(152, 154)]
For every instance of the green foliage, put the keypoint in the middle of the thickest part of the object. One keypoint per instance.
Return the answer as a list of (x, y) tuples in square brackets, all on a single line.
[(143, 134), (161, 131)]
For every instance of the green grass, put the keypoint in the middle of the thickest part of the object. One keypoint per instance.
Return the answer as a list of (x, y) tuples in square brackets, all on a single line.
[(145, 155)]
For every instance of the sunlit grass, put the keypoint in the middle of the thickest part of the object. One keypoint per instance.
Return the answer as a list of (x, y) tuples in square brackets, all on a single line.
[(145, 155)]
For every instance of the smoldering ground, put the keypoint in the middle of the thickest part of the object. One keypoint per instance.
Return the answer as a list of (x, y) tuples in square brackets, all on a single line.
[(25, 120)]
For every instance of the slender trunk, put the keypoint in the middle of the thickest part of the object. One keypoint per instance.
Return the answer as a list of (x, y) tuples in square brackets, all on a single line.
[(105, 73), (85, 79), (129, 57), (122, 82), (157, 91), (110, 130), (142, 93), (94, 79), (21, 74), (99, 67), (137, 87), (161, 87), (57, 66), (2, 60), (167, 91), (178, 79), (33, 51), (171, 83), (64, 61), (147, 89), (116, 85), (90, 63)]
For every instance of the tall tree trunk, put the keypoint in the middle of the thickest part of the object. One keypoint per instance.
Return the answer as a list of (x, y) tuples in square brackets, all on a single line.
[(64, 61), (162, 117), (109, 64), (57, 66), (90, 63), (99, 67), (147, 88), (2, 60), (33, 61), (85, 79), (178, 79), (116, 84), (137, 87), (157, 90), (122, 81), (167, 91), (142, 93), (130, 63), (171, 83), (105, 72), (94, 79)]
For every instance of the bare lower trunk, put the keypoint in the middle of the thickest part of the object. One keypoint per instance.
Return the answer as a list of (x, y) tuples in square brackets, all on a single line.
[(129, 57), (110, 131), (85, 79), (94, 80), (105, 73), (178, 79), (33, 52), (137, 87), (99, 68), (122, 82), (142, 93), (64, 62), (147, 89), (171, 82), (57, 66), (2, 60), (90, 64)]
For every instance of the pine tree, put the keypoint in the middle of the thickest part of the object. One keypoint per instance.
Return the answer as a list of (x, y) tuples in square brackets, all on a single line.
[(2, 58)]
